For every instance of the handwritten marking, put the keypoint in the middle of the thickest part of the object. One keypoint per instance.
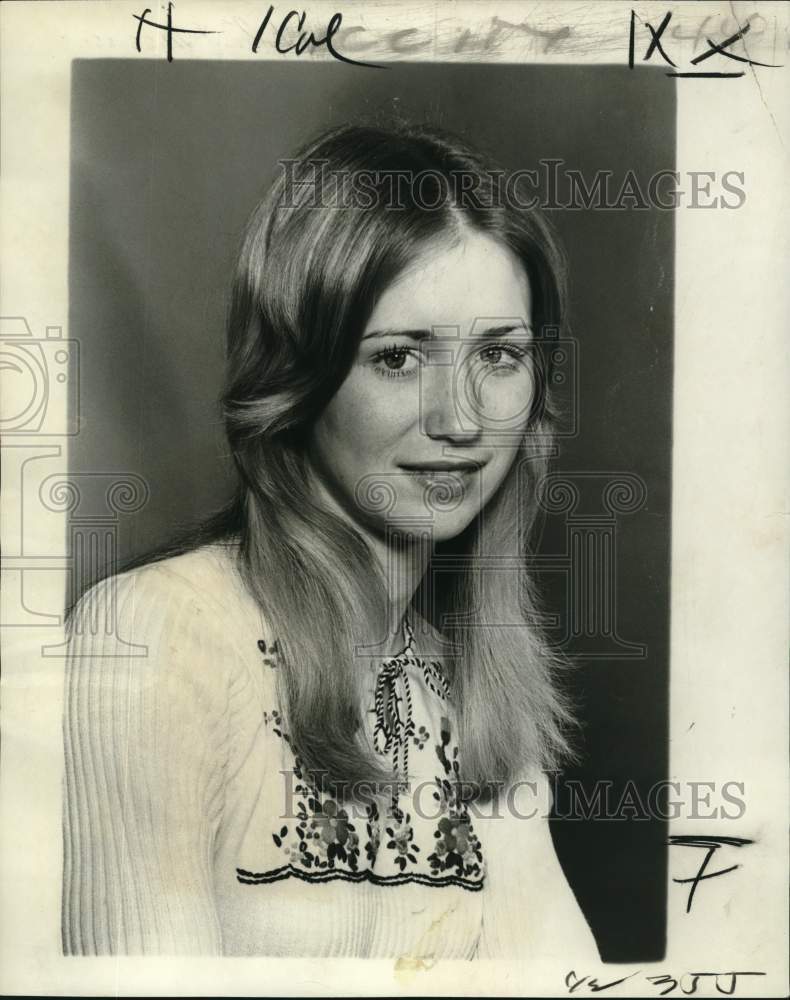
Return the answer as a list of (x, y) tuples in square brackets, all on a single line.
[(306, 40), (143, 20), (688, 982), (714, 48), (592, 981), (712, 844)]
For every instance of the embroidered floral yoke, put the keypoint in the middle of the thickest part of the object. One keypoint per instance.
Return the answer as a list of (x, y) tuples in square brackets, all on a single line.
[(424, 832)]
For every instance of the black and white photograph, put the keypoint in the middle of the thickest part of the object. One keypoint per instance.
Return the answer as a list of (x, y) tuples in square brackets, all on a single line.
[(395, 449)]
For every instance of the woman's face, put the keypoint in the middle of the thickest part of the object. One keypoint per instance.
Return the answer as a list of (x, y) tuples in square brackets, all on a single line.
[(429, 419)]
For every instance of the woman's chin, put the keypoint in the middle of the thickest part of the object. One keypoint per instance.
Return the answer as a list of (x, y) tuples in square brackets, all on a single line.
[(440, 526)]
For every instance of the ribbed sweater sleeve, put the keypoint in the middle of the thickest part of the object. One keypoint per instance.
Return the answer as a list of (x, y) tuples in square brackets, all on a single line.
[(145, 750)]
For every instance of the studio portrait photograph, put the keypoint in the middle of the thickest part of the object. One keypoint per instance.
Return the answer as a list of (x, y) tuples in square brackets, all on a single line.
[(389, 572)]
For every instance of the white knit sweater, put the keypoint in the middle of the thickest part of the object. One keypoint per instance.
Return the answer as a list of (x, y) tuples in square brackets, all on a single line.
[(189, 826)]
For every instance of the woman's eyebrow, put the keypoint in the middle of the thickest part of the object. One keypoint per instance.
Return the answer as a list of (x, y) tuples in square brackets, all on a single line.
[(491, 331), (499, 331)]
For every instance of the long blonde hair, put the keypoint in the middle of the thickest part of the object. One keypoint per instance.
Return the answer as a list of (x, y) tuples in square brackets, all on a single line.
[(312, 265)]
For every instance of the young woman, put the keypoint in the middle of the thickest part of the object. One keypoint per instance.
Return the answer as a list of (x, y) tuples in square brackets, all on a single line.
[(321, 727)]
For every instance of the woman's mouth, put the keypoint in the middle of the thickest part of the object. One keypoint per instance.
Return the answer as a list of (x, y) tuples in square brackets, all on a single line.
[(452, 478)]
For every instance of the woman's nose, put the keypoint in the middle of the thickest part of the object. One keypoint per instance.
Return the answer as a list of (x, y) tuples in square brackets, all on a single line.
[(445, 414)]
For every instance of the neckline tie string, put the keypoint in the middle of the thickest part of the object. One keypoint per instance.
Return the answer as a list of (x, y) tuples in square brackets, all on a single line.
[(395, 726)]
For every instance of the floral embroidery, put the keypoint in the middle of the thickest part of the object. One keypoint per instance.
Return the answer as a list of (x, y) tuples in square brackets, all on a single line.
[(441, 749), (401, 839), (457, 844), (421, 737), (334, 837), (383, 843), (374, 836), (270, 653), (324, 832), (457, 847), (293, 847), (276, 719), (321, 839)]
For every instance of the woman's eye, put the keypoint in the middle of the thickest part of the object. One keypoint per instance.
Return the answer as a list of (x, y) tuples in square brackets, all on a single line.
[(401, 362), (493, 355), (395, 359), (394, 362), (502, 355)]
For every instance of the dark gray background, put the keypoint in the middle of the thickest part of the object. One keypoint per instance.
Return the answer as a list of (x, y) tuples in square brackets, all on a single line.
[(167, 162)]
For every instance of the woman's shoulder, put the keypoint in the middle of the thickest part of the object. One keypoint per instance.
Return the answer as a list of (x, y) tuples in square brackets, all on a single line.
[(205, 573), (190, 595)]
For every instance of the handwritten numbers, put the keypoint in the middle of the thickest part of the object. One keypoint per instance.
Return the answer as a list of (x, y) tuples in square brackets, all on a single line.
[(689, 982), (711, 845), (685, 984), (573, 982)]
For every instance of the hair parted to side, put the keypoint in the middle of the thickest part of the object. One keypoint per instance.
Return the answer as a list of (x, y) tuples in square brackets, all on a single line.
[(316, 256)]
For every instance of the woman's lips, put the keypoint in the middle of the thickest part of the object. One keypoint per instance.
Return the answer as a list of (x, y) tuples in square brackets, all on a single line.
[(452, 479), (439, 468)]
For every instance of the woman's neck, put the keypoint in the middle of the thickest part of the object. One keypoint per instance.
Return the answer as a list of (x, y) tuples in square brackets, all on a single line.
[(403, 561)]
